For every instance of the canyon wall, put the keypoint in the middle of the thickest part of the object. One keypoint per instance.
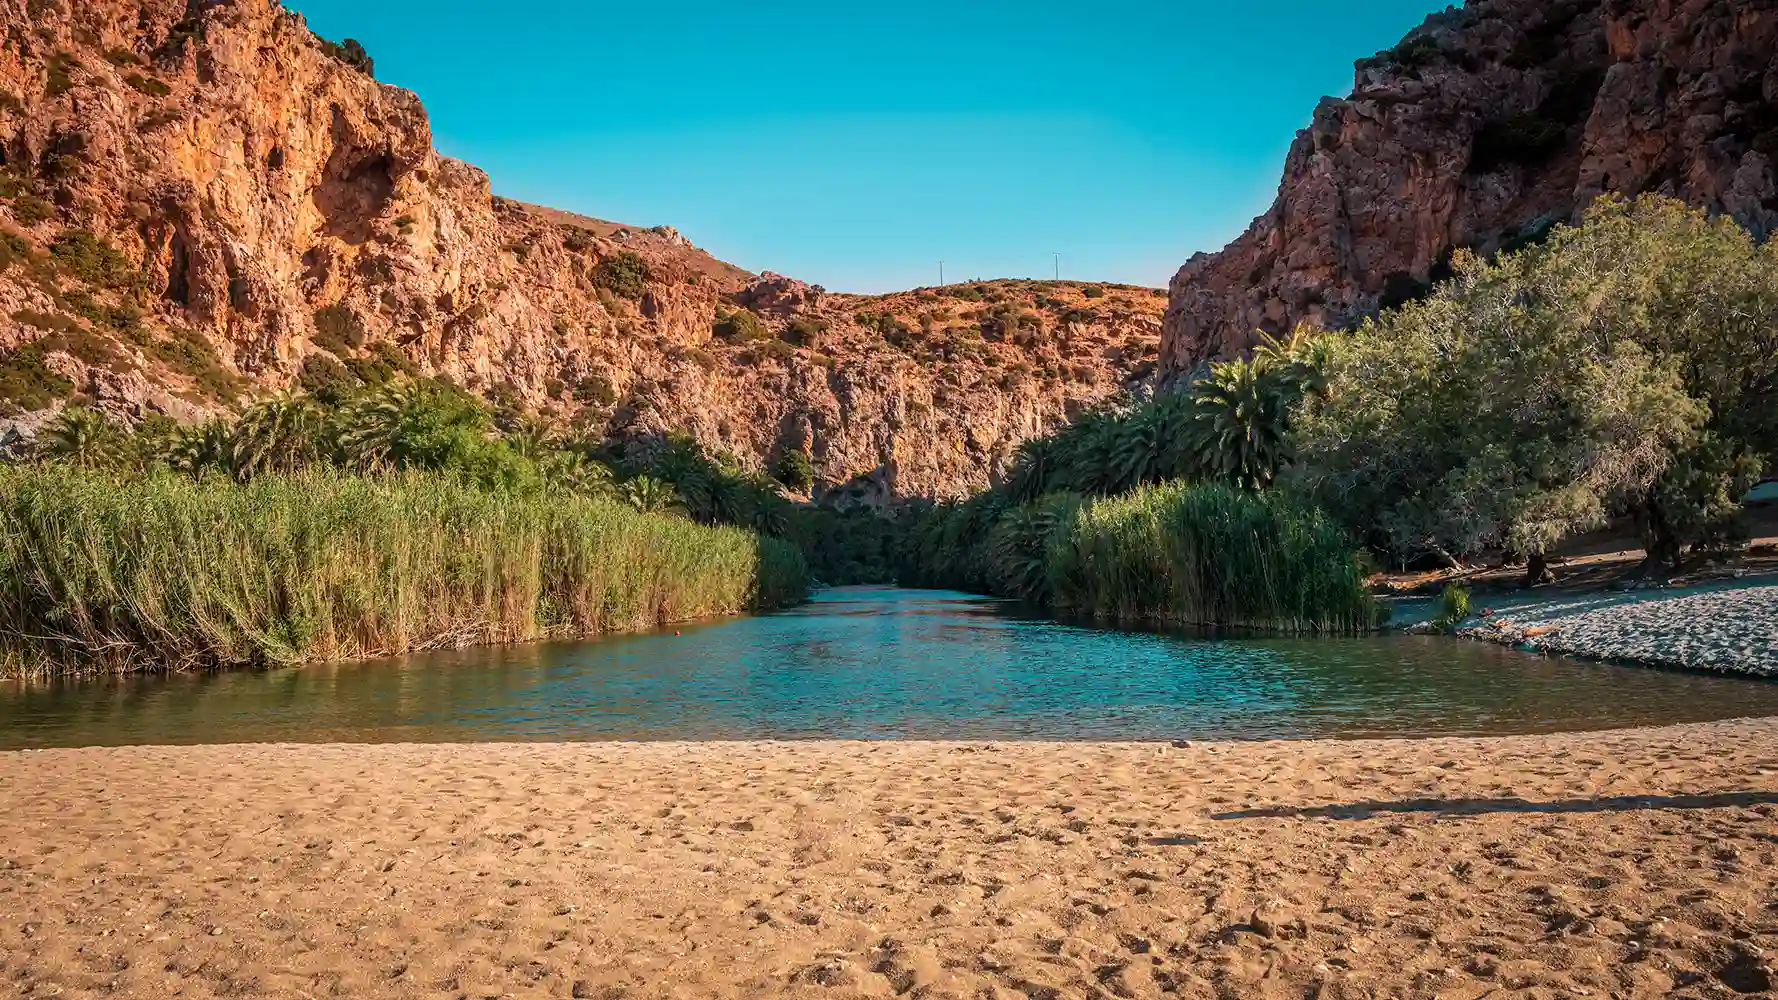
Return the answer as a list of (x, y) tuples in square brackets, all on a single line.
[(1484, 127), (202, 200)]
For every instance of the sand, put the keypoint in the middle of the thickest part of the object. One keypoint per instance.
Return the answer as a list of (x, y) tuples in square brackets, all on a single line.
[(1637, 863)]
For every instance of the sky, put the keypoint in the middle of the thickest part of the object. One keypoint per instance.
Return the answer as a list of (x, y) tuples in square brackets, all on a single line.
[(855, 144)]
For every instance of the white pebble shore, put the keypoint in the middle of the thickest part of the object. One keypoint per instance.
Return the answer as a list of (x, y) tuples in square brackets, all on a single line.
[(1732, 630)]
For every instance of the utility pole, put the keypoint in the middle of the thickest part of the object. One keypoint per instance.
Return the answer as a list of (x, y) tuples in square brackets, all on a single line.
[(941, 274), (1058, 256)]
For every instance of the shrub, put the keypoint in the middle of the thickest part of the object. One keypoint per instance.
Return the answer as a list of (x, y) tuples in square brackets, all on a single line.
[(805, 331), (349, 52), (89, 258), (30, 210), (624, 273), (1093, 291), (148, 85), (1453, 607), (191, 354), (28, 383), (794, 470), (338, 329), (61, 67), (743, 326), (326, 378), (595, 389)]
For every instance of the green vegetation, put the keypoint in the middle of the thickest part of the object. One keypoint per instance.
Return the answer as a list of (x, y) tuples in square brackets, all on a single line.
[(349, 52), (1453, 608), (148, 85), (91, 259), (742, 326), (794, 470), (30, 210), (624, 273), (167, 571), (27, 382), (1204, 555), (1626, 366), (60, 69)]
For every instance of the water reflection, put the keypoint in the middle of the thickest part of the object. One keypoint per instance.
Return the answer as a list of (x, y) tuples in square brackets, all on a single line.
[(887, 664)]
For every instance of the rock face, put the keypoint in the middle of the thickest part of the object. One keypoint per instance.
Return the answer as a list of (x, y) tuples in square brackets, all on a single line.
[(1483, 128), (202, 200)]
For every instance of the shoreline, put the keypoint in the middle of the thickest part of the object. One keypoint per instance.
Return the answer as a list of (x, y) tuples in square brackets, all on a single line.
[(1629, 862), (1728, 629)]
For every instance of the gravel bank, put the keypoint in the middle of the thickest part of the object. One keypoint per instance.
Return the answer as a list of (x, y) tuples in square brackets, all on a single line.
[(1726, 629)]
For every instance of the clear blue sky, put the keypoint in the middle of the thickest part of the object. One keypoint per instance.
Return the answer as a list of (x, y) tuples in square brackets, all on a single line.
[(854, 144)]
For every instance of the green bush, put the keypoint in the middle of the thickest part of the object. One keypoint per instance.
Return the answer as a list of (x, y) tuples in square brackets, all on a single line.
[(165, 572), (148, 85), (794, 469), (30, 210), (743, 326), (624, 273), (338, 329), (349, 52), (90, 258), (1204, 555), (1453, 608), (60, 68), (27, 382)]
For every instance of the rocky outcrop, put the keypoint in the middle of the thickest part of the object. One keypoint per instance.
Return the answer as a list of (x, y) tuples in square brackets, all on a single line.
[(203, 200), (1483, 128)]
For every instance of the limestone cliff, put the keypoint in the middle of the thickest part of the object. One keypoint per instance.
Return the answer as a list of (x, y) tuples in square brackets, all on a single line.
[(203, 199), (1484, 127)]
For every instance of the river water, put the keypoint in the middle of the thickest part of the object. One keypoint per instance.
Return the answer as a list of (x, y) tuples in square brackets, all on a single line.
[(865, 663)]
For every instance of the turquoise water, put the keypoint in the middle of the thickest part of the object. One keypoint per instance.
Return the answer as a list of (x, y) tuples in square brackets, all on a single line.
[(887, 664)]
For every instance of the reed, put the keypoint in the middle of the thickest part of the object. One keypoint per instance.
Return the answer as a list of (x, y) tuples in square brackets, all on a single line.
[(1209, 555), (163, 571)]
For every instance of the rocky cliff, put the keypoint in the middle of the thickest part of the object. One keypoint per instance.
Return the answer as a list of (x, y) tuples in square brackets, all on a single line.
[(202, 199), (1482, 128)]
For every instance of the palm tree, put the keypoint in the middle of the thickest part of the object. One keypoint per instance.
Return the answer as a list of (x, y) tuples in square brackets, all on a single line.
[(1240, 418), (651, 496), (194, 450), (576, 473), (82, 436), (276, 434)]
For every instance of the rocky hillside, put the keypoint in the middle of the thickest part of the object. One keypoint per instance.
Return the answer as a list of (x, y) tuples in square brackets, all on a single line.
[(1481, 129), (201, 200)]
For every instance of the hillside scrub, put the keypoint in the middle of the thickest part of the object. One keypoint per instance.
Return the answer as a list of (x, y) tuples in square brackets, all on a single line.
[(166, 571)]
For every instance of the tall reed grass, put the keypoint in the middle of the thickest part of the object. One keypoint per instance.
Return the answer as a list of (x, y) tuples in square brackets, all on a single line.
[(1209, 555), (167, 572), (1204, 555)]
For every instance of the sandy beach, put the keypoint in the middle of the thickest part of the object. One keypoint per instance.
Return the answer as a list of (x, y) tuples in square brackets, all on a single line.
[(1636, 863)]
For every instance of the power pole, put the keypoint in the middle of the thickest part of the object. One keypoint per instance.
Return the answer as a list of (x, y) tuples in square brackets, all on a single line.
[(941, 274), (1058, 266)]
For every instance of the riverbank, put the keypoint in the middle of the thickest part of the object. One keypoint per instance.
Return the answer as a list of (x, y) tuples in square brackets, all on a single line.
[(1633, 863), (1724, 627)]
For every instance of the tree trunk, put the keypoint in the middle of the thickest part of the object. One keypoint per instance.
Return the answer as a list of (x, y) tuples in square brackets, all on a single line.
[(1537, 570)]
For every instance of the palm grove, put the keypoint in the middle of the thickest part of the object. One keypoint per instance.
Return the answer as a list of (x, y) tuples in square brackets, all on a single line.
[(1624, 366)]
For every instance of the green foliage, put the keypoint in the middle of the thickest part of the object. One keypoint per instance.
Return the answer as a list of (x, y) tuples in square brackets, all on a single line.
[(28, 383), (30, 210), (1093, 291), (91, 259), (326, 378), (1533, 396), (1205, 555), (743, 326), (191, 354), (82, 437), (805, 331), (60, 68), (338, 329), (846, 547), (1453, 608), (163, 571), (351, 53), (624, 273), (794, 470), (595, 389), (151, 86)]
